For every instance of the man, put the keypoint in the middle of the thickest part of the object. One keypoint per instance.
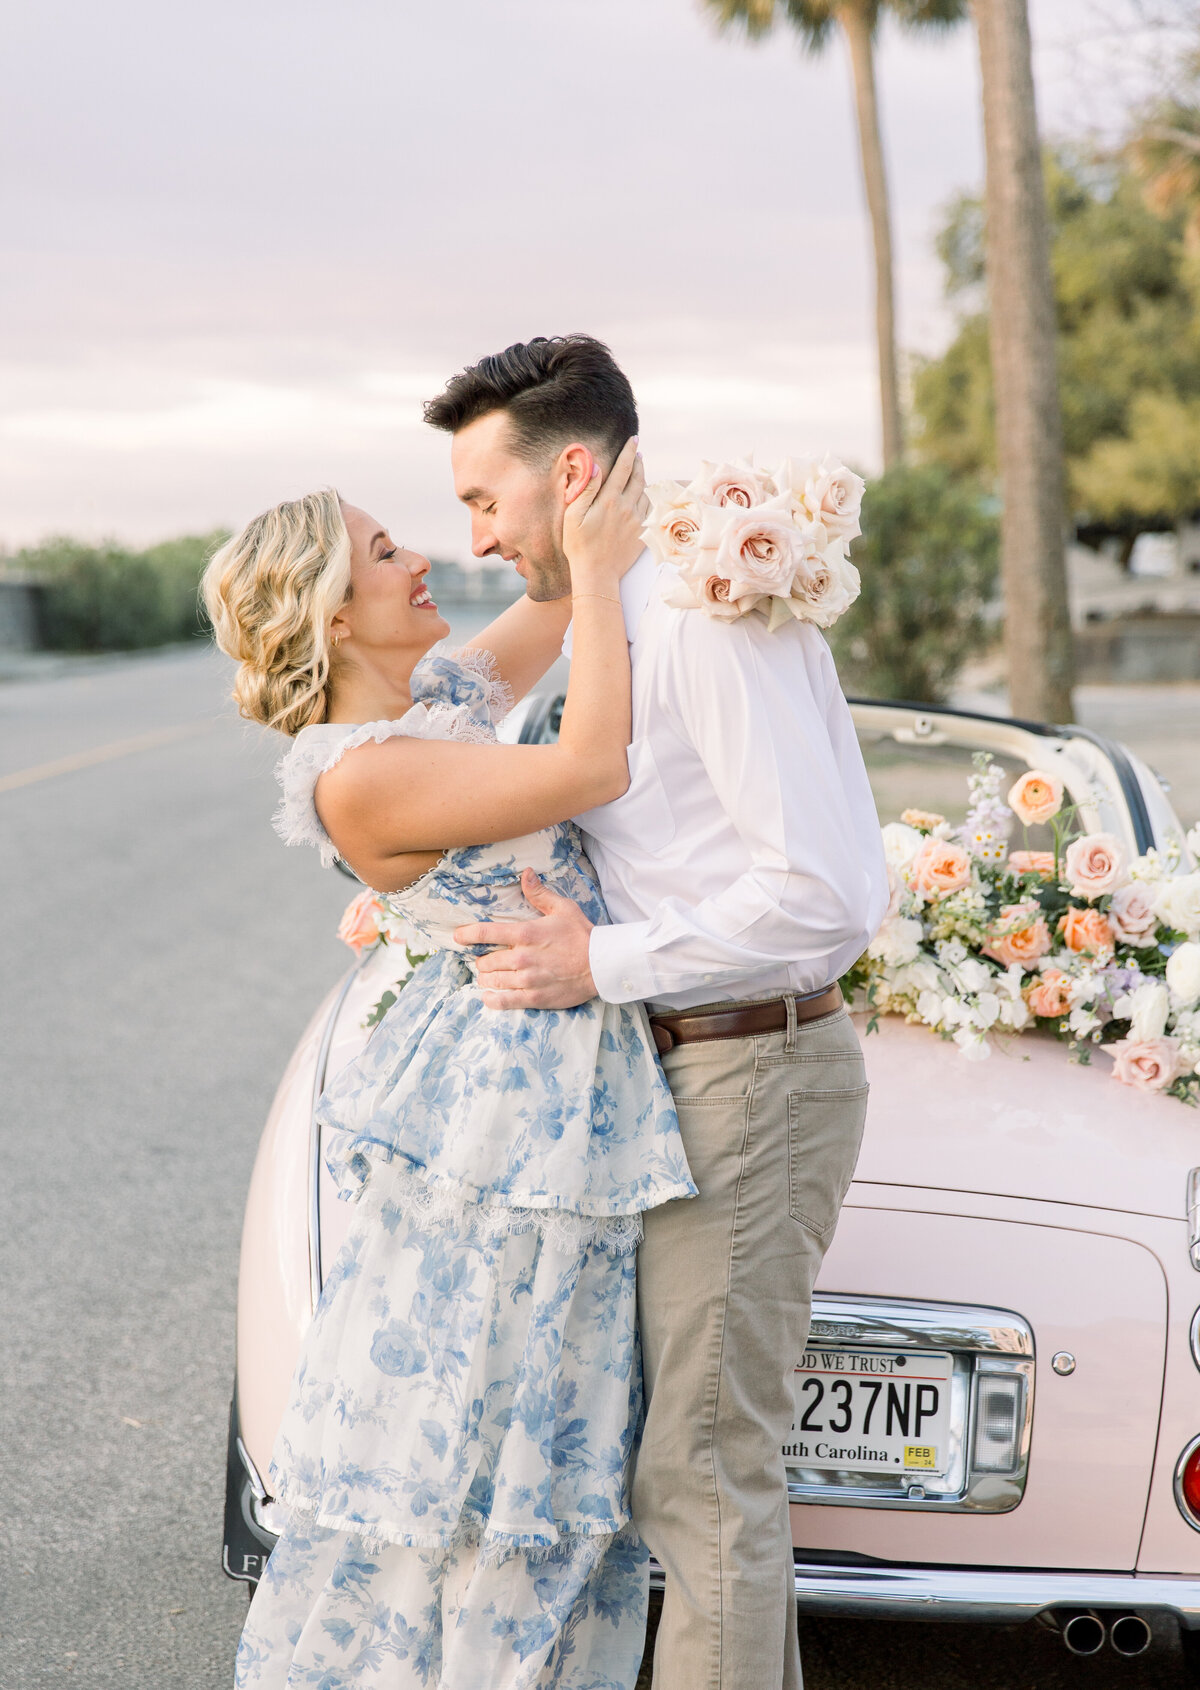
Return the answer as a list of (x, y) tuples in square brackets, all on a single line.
[(744, 873)]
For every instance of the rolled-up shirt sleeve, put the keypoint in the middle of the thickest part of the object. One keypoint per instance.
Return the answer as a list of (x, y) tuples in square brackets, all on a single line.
[(768, 721)]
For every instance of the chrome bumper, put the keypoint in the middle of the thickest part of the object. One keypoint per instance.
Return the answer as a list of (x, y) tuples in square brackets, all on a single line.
[(994, 1596)]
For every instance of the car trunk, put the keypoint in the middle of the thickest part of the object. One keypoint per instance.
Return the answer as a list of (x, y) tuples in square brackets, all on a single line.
[(1100, 1298)]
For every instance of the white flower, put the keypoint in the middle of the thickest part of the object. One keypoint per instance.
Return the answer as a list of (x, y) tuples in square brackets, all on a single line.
[(972, 1044), (1147, 1008), (973, 975), (897, 942), (1082, 1021), (1178, 903), (951, 952), (987, 1009), (917, 977), (1149, 867), (929, 1008), (954, 1012), (1183, 972), (901, 843)]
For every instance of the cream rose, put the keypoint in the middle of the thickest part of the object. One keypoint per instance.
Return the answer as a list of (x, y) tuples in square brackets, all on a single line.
[(939, 867), (754, 550), (832, 495), (1183, 972), (672, 527), (738, 484), (1131, 914), (1095, 865), (1177, 901), (359, 926), (1035, 797), (825, 587), (1149, 1064)]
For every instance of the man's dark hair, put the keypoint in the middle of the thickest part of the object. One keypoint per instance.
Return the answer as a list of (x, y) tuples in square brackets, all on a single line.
[(553, 390)]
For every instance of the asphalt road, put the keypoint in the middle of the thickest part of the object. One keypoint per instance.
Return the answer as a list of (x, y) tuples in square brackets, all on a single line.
[(161, 952)]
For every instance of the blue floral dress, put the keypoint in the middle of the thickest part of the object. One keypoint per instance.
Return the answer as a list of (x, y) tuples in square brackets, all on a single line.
[(455, 1457)]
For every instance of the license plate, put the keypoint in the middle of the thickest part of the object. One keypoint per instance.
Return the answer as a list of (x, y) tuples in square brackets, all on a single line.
[(872, 1411)]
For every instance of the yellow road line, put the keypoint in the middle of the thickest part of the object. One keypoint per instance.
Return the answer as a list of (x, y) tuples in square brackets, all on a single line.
[(101, 754)]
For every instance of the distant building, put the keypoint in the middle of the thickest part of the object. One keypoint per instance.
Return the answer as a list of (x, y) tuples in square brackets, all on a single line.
[(482, 583)]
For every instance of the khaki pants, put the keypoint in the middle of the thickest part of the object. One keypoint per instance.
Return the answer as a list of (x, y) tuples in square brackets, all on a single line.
[(772, 1126)]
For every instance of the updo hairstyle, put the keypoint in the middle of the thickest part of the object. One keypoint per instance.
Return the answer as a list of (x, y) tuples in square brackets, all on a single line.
[(272, 593)]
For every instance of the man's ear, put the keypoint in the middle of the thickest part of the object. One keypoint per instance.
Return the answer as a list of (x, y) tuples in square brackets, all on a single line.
[(575, 464)]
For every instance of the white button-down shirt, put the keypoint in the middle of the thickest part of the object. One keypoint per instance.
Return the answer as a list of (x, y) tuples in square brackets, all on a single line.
[(745, 859)]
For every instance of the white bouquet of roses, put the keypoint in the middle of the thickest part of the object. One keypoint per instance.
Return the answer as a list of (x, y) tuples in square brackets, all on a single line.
[(741, 539)]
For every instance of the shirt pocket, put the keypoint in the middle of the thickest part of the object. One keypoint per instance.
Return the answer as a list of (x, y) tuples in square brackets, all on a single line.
[(642, 815), (825, 1128)]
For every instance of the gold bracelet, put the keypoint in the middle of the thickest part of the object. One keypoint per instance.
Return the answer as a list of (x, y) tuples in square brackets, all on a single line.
[(607, 597)]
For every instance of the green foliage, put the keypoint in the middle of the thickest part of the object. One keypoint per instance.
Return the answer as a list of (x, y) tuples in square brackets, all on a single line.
[(813, 19), (108, 598), (928, 557), (1126, 295)]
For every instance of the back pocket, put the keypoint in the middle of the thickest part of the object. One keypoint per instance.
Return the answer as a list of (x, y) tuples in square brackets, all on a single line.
[(825, 1128)]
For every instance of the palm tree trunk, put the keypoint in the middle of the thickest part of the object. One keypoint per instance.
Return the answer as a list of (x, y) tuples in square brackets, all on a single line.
[(857, 25), (1037, 626)]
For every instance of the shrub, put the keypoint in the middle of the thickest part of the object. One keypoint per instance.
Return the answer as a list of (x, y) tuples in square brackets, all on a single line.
[(107, 598), (928, 558)]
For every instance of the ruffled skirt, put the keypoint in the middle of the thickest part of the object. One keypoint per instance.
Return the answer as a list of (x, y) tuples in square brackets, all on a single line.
[(455, 1460)]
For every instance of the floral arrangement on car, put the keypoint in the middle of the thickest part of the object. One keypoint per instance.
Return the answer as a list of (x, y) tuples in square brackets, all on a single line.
[(981, 940), (367, 923), (772, 541)]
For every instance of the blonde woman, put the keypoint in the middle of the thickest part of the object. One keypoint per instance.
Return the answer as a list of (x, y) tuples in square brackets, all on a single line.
[(455, 1457)]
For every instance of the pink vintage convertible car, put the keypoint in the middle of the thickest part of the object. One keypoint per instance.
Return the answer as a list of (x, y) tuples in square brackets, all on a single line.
[(998, 1415)]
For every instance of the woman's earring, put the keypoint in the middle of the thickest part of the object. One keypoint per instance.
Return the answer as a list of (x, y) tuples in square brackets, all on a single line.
[(337, 639)]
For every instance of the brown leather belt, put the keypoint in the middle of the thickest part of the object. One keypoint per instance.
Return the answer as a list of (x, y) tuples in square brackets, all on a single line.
[(743, 1021)]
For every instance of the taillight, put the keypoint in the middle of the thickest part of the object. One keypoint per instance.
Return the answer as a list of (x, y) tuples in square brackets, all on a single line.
[(1187, 1484)]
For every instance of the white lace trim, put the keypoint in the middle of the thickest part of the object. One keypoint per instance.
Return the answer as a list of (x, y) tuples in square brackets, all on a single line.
[(296, 820), (470, 1532), (410, 1197), (497, 695)]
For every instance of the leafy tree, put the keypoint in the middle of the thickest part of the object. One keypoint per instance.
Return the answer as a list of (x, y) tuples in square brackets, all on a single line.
[(1128, 348), (813, 21), (108, 598), (928, 557)]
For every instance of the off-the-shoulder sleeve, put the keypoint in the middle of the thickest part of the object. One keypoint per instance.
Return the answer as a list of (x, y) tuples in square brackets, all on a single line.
[(469, 677)]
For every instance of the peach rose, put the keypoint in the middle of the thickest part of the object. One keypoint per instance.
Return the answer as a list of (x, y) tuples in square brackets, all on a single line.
[(1036, 797), (715, 593), (1094, 865), (1132, 915), (926, 820), (940, 866), (1032, 862), (1021, 936), (359, 926), (1088, 931), (1150, 1064), (1051, 995)]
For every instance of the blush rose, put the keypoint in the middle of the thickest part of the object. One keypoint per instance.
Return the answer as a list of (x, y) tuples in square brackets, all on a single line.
[(1094, 865), (1132, 915), (1149, 1064)]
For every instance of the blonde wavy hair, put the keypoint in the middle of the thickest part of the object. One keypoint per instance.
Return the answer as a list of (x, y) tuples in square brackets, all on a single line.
[(272, 593)]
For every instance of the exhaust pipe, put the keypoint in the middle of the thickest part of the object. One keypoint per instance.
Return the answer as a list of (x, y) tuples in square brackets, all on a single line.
[(1083, 1631), (1129, 1634)]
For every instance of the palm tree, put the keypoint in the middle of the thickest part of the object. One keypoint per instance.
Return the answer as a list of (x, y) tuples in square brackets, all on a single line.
[(813, 21), (1029, 447), (1166, 155)]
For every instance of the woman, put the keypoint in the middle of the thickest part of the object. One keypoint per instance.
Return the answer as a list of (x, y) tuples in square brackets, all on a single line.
[(455, 1457)]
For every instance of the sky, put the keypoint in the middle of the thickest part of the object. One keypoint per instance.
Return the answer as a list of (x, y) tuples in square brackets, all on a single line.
[(243, 241)]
